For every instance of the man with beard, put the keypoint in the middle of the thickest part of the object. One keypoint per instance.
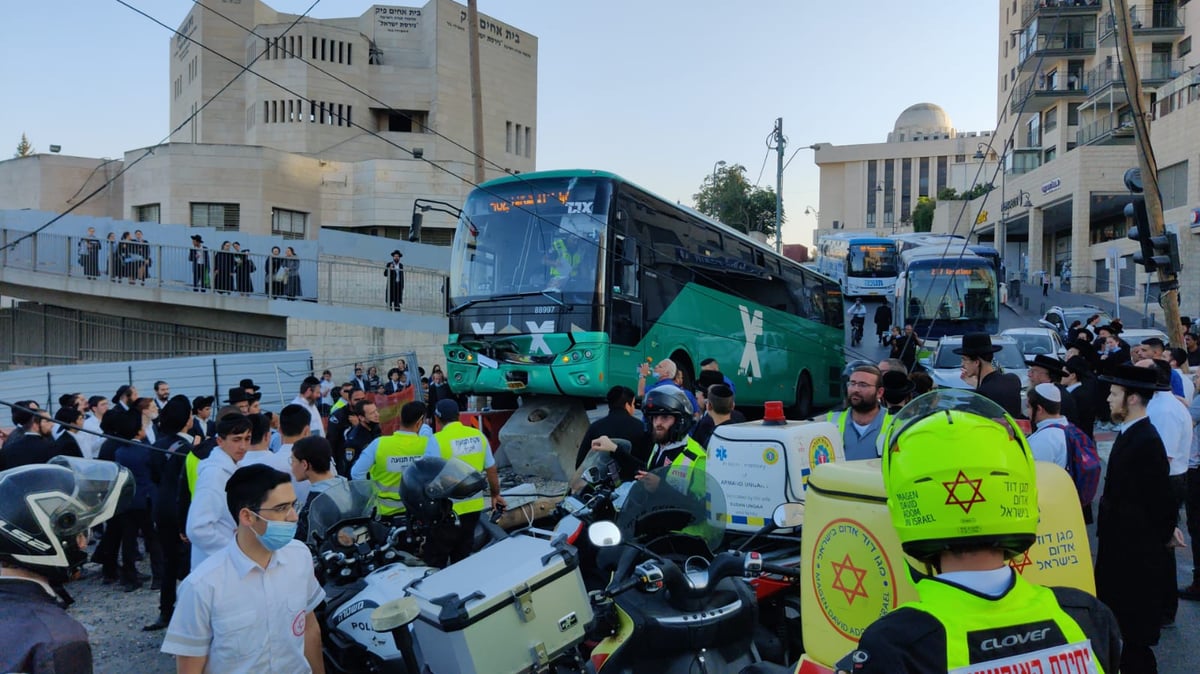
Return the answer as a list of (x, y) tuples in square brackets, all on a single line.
[(358, 436), (864, 411), (1135, 522), (669, 414)]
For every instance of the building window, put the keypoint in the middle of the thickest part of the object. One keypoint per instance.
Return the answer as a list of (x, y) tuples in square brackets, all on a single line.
[(288, 224), (1051, 121), (518, 145), (1172, 183), (147, 213), (941, 173), (923, 178), (1051, 153), (1072, 114), (349, 53), (221, 217), (528, 140), (1185, 46), (960, 158), (508, 136)]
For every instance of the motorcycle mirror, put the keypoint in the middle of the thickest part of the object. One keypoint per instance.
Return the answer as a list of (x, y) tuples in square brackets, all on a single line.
[(395, 614), (604, 534), (788, 515)]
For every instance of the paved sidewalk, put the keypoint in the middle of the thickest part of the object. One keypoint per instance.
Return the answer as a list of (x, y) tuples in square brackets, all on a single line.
[(1031, 294)]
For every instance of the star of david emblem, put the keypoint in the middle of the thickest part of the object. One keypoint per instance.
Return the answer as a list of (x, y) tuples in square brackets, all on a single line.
[(722, 453), (1019, 565), (839, 568), (963, 481)]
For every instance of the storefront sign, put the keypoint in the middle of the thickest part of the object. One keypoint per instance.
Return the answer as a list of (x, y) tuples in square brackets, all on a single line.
[(1051, 186)]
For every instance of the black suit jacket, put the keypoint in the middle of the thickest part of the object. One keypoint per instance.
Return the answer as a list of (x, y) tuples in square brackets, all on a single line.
[(619, 424), (1004, 389), (28, 449), (203, 429), (67, 445), (1084, 397)]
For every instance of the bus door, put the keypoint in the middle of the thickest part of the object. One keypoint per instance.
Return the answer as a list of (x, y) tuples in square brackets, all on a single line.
[(625, 306)]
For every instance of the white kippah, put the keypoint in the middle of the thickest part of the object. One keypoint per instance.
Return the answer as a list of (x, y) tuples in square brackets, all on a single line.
[(1049, 392)]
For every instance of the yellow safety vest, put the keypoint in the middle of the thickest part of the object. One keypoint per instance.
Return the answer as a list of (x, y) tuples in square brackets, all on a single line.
[(470, 445), (561, 247), (962, 613), (392, 456), (839, 418), (341, 402)]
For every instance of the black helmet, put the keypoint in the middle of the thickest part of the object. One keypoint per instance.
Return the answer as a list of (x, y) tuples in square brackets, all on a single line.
[(428, 484), (43, 507), (669, 399)]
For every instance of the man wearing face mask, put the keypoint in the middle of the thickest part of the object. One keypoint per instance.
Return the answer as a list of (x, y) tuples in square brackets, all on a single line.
[(249, 607)]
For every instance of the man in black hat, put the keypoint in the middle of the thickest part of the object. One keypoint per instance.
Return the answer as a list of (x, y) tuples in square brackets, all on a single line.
[(1002, 388), (1080, 383), (395, 281), (198, 257), (718, 400), (1135, 522), (1045, 369), (897, 390), (239, 399)]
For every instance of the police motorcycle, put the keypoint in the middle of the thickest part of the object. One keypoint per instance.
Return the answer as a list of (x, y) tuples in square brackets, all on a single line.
[(517, 605), (673, 606)]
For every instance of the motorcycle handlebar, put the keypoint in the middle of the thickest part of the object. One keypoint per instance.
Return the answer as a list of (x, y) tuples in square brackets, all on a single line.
[(780, 570)]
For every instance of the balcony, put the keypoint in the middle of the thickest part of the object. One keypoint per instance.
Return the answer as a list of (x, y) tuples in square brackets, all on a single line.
[(1150, 24), (1023, 160), (1115, 129), (1105, 81), (1037, 93), (1057, 45), (1051, 9)]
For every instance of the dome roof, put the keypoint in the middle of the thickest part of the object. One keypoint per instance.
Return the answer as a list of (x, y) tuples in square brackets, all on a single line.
[(923, 117)]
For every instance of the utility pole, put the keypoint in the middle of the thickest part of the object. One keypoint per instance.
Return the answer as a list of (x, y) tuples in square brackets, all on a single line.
[(780, 143), (476, 92), (1141, 128)]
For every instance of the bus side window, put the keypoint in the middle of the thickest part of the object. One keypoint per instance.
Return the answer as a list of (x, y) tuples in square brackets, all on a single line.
[(625, 266)]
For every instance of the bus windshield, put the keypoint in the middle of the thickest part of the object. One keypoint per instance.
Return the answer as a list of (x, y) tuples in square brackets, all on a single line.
[(873, 260), (531, 237), (954, 291)]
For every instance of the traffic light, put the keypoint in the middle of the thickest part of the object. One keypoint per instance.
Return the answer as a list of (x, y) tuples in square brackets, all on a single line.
[(1156, 252)]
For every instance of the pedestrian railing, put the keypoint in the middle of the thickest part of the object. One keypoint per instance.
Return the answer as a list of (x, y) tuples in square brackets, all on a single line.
[(325, 280)]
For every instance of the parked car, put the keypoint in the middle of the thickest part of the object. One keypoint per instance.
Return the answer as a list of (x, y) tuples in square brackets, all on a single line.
[(1038, 341), (1137, 335), (1061, 318), (944, 365)]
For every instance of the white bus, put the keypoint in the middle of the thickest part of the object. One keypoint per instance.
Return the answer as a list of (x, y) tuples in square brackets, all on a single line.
[(863, 265)]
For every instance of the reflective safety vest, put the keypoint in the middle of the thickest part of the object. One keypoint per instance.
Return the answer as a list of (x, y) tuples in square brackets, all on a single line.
[(394, 453), (470, 445), (1025, 626), (839, 418), (564, 257), (191, 465), (341, 402)]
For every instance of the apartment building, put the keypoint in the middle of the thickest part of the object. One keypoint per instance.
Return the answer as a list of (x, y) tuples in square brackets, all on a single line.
[(1065, 137)]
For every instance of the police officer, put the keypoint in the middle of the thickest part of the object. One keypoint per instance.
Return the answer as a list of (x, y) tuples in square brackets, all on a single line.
[(975, 611), (392, 453), (469, 444), (52, 506)]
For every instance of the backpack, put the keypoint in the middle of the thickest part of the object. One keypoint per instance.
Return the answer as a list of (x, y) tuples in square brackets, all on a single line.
[(1083, 463)]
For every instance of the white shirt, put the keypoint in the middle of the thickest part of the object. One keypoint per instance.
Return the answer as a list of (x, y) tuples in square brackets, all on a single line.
[(88, 443), (210, 527), (242, 617), (326, 387), (1174, 425), (314, 425), (281, 461), (362, 467), (1189, 387), (1049, 441)]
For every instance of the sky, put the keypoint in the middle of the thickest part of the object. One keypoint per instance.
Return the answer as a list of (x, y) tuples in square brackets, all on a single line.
[(657, 91)]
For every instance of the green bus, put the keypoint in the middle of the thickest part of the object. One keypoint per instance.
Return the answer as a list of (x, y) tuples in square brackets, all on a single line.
[(563, 283)]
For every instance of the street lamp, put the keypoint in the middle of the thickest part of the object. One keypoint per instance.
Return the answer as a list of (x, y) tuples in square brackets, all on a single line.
[(420, 206), (809, 210), (979, 151), (716, 167)]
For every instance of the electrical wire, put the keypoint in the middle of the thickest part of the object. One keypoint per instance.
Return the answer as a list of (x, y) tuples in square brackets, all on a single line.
[(150, 150)]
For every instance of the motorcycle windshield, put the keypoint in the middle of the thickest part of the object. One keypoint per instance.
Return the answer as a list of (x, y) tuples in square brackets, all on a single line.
[(347, 501), (676, 499)]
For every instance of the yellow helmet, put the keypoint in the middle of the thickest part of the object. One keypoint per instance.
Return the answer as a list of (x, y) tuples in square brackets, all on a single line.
[(959, 473)]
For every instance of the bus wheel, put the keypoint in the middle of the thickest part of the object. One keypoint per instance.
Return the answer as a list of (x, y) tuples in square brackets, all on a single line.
[(684, 363), (803, 407)]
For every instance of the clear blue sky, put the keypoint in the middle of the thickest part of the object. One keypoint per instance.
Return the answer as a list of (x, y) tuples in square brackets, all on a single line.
[(656, 90)]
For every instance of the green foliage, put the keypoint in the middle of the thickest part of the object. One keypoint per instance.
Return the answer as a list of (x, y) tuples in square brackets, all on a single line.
[(947, 194), (978, 191), (729, 197), (24, 148), (922, 214)]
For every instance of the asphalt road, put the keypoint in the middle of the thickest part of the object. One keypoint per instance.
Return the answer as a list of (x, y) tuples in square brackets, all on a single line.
[(1176, 652)]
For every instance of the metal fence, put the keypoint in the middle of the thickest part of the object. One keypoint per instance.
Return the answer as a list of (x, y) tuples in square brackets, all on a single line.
[(327, 280), (33, 334)]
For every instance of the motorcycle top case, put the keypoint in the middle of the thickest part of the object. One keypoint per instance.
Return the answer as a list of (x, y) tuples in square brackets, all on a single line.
[(509, 608)]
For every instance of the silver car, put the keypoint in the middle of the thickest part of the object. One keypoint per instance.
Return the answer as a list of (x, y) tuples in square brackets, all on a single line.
[(1037, 341), (944, 365)]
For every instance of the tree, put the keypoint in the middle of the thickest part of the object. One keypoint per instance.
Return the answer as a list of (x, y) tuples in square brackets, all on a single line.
[(948, 194), (977, 191), (24, 148), (922, 214), (730, 198)]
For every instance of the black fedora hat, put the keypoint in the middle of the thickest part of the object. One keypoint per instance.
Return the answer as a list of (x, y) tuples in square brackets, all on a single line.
[(1048, 363), (1132, 376), (976, 344), (197, 238), (396, 252), (249, 383), (896, 385), (237, 395)]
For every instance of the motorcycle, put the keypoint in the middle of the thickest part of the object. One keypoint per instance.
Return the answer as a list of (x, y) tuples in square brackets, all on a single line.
[(441, 621), (672, 605)]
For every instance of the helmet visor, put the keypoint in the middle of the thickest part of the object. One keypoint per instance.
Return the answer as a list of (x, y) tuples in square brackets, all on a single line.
[(456, 480), (101, 488), (945, 400)]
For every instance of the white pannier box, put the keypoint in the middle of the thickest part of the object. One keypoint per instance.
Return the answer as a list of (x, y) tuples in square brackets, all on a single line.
[(511, 607)]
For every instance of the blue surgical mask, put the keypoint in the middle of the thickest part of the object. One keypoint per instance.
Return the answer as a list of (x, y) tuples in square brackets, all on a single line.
[(277, 535)]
